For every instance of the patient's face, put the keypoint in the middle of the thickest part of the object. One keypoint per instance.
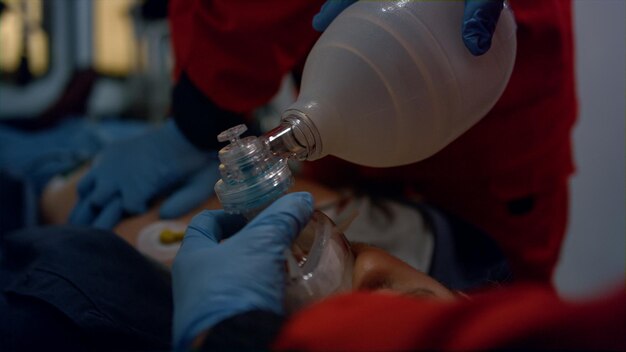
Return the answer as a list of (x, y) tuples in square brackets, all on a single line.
[(377, 270), (326, 264)]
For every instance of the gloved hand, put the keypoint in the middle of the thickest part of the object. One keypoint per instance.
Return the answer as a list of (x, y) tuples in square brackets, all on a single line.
[(479, 21), (129, 174), (36, 157), (213, 281)]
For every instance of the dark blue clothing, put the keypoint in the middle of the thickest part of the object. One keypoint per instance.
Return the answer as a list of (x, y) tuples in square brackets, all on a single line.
[(13, 203), (67, 288), (464, 257)]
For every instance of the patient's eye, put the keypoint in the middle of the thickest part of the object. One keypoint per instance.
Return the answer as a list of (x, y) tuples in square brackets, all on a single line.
[(376, 282), (419, 293)]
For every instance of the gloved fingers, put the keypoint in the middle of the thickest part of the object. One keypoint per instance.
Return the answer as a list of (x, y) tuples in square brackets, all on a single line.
[(284, 219), (209, 227), (91, 205), (102, 193), (198, 189), (328, 12), (86, 184), (110, 215), (133, 203), (83, 213), (479, 23)]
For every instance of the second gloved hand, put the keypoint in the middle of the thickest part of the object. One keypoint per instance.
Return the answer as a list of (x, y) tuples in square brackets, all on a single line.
[(213, 281), (127, 175), (479, 21)]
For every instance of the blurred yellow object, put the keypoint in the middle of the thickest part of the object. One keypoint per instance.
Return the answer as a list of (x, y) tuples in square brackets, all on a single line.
[(115, 46), (168, 236), (22, 24)]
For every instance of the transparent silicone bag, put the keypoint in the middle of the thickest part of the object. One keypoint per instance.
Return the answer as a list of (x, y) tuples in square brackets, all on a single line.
[(391, 83)]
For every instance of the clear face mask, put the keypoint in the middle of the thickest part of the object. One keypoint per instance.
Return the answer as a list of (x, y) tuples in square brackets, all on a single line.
[(320, 264)]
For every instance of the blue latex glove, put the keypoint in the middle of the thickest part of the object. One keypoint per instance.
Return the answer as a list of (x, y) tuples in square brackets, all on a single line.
[(127, 175), (328, 12), (213, 281), (36, 157), (479, 21)]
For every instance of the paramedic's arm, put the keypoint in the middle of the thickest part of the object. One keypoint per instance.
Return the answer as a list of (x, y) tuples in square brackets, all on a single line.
[(231, 57), (511, 318), (514, 318), (215, 280)]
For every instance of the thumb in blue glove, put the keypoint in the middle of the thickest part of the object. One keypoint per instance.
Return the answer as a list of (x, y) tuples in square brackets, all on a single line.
[(479, 23), (328, 12), (213, 281)]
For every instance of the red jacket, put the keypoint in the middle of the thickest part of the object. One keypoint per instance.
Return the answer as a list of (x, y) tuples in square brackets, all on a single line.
[(514, 318), (507, 175), (237, 52)]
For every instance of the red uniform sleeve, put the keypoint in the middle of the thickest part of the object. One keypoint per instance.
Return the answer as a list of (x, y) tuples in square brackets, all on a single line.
[(521, 317), (237, 52)]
